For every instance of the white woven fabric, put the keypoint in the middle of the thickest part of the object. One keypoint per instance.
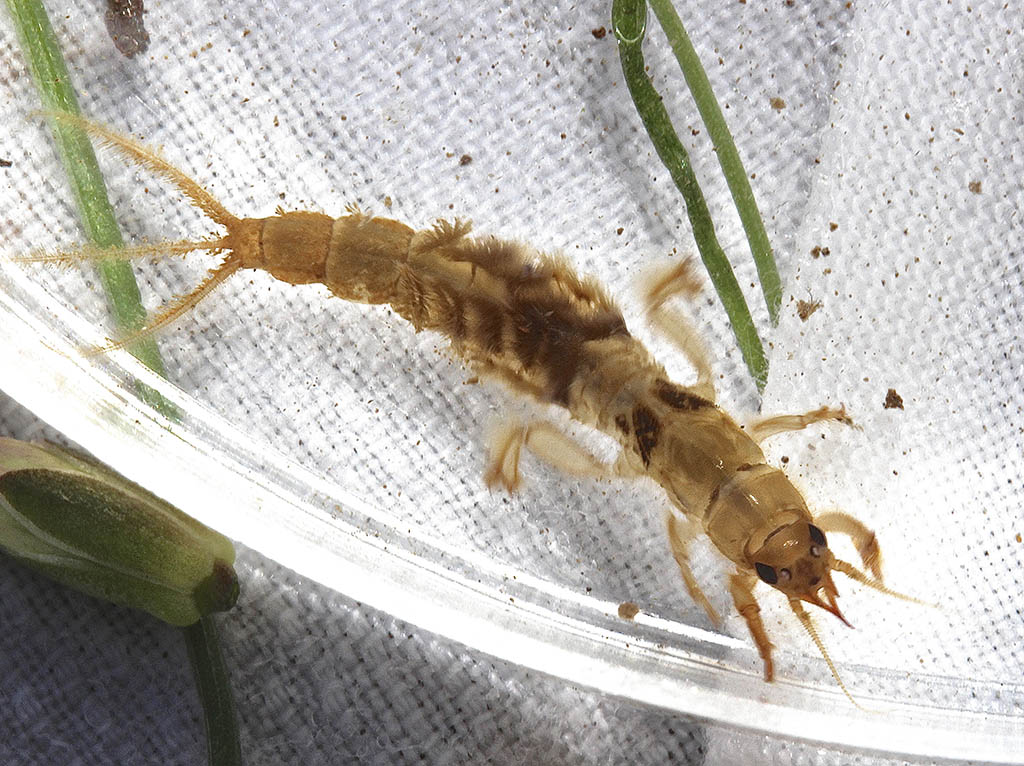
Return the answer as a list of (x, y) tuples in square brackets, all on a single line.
[(884, 147)]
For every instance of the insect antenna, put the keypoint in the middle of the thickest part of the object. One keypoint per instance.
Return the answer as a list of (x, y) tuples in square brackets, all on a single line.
[(805, 620)]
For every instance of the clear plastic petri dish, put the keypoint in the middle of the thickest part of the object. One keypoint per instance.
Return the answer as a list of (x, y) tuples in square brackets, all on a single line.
[(333, 439)]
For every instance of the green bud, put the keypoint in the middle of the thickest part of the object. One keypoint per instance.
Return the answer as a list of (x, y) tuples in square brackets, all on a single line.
[(78, 522)]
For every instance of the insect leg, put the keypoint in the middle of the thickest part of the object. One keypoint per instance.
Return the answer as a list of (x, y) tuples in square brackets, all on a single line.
[(741, 586), (549, 444), (680, 533), (679, 279), (863, 538), (760, 430), (503, 448)]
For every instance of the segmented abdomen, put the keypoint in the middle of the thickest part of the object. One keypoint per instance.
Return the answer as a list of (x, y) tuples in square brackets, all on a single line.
[(526, 317)]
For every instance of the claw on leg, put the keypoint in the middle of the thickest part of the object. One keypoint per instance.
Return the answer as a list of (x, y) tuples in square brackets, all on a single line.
[(505, 444), (741, 586), (680, 533), (761, 429)]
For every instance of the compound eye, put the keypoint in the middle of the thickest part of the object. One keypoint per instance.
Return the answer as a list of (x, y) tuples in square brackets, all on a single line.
[(767, 573), (817, 536)]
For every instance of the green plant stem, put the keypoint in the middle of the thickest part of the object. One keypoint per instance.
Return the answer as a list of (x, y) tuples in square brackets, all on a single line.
[(728, 156), (57, 94), (215, 690), (629, 21)]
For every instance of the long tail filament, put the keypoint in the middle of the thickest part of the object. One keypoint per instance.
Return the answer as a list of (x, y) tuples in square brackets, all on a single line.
[(125, 253), (199, 197), (176, 308), (152, 161)]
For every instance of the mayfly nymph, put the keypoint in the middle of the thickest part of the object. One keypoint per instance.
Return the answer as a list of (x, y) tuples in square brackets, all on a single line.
[(530, 321)]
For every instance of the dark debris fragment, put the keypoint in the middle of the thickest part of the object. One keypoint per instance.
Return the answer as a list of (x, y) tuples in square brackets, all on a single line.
[(124, 24), (893, 400)]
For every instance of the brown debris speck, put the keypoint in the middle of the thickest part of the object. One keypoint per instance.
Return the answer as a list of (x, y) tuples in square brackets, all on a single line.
[(465, 159), (599, 33), (804, 309), (975, 186), (628, 610), (893, 400), (777, 103)]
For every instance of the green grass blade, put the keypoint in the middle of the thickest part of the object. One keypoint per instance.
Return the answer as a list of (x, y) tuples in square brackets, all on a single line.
[(725, 149), (57, 94), (629, 21)]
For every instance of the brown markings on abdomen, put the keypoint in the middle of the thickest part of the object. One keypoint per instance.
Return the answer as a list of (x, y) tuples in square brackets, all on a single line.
[(678, 398), (550, 336), (501, 303), (647, 430)]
